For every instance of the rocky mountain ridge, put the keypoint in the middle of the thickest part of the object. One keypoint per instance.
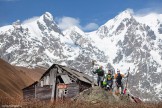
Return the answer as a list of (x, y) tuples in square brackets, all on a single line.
[(127, 40)]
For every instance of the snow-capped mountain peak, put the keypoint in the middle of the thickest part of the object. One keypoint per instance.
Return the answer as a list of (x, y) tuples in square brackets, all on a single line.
[(72, 30), (117, 24), (16, 23), (48, 16), (123, 15), (122, 42)]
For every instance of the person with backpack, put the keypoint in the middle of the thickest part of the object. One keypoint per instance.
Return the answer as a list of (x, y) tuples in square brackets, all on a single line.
[(118, 78), (109, 80), (100, 73)]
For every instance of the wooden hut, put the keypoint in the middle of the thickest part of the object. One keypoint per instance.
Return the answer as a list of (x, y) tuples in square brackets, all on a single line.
[(58, 82)]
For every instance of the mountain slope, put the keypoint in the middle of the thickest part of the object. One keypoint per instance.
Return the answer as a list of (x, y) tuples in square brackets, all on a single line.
[(12, 80), (33, 73)]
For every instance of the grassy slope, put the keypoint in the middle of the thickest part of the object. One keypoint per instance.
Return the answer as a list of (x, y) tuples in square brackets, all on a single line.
[(34, 74), (12, 80)]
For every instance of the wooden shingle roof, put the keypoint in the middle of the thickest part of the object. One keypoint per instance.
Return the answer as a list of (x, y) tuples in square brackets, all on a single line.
[(80, 75)]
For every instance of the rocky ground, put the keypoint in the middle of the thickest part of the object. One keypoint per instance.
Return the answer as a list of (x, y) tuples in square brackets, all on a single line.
[(98, 94)]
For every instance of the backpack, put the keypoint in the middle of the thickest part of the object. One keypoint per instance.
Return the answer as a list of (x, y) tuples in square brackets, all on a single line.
[(119, 78)]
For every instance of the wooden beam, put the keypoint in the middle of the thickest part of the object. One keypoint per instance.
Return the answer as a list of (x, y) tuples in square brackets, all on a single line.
[(51, 77), (59, 74), (59, 69), (54, 74), (35, 92), (72, 77)]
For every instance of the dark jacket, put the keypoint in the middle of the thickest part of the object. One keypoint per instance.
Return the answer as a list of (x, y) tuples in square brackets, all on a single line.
[(100, 72)]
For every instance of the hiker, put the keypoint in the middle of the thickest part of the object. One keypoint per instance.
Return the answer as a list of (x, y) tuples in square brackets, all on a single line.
[(118, 78), (100, 73), (109, 80)]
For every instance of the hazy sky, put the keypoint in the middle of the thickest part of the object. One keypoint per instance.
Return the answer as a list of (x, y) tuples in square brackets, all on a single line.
[(88, 14)]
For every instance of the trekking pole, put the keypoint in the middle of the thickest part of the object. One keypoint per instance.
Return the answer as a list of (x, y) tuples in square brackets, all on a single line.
[(125, 90)]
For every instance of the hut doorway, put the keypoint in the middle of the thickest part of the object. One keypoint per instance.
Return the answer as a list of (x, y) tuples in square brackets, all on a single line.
[(61, 91)]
